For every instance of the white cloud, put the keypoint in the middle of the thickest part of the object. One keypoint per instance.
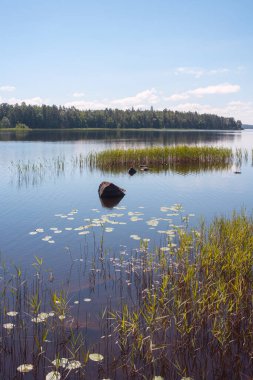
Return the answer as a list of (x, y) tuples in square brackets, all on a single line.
[(144, 99), (141, 100), (198, 72), (239, 110), (176, 97), (219, 89), (7, 88), (87, 104), (36, 101), (225, 88), (78, 94)]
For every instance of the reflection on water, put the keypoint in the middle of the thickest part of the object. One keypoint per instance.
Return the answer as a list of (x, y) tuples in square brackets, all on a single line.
[(34, 173), (101, 258), (110, 202), (161, 137)]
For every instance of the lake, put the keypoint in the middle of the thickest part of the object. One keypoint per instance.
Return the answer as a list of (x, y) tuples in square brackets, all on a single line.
[(50, 207)]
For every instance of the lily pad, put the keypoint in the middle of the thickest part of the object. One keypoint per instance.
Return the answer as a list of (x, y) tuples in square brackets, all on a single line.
[(96, 357)]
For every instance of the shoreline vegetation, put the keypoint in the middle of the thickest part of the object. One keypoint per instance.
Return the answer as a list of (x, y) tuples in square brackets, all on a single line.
[(190, 314), (182, 159), (53, 117)]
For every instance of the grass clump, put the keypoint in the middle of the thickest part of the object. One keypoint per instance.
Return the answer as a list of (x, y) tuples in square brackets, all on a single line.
[(199, 313), (161, 156), (186, 311)]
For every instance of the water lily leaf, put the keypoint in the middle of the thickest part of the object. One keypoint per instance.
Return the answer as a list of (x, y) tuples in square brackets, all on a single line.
[(74, 364), (54, 375), (25, 368), (8, 326), (96, 357), (12, 313), (60, 362)]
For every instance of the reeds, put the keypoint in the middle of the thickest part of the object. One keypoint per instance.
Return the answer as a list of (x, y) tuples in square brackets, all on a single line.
[(201, 308), (186, 311), (161, 156)]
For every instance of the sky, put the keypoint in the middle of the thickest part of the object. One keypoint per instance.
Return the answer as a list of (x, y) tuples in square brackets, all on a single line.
[(185, 55)]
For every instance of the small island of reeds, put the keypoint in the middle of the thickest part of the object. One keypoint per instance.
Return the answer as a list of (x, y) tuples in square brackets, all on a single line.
[(205, 156)]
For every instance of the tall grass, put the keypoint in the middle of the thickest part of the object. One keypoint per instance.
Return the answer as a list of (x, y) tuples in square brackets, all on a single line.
[(161, 156), (182, 312), (197, 320)]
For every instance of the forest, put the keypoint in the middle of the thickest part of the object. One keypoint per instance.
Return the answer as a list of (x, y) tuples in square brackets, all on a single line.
[(23, 116)]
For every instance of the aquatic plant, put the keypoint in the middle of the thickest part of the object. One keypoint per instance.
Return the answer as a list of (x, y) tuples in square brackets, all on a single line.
[(170, 311), (168, 157)]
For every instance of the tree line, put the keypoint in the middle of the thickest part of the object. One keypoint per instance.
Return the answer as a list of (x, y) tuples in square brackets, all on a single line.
[(53, 117)]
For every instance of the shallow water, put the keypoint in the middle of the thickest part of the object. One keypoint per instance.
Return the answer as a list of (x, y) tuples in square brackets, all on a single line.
[(32, 200), (47, 210)]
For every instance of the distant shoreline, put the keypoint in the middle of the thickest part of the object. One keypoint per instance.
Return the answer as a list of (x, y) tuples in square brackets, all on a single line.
[(122, 129)]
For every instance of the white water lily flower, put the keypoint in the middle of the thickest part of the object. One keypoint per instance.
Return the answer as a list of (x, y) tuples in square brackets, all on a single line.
[(68, 228), (51, 241), (74, 364), (158, 378), (61, 317), (51, 314), (87, 299), (146, 240), (33, 233), (54, 375), (96, 357), (12, 313), (76, 302), (25, 368), (60, 362), (84, 233), (8, 326), (53, 228), (164, 249), (71, 218), (58, 231)]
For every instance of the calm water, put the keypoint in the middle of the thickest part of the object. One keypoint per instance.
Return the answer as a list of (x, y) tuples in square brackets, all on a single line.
[(63, 203), (33, 200)]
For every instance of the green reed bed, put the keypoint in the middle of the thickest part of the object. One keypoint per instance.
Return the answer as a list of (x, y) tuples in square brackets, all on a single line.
[(197, 319), (181, 310), (160, 156)]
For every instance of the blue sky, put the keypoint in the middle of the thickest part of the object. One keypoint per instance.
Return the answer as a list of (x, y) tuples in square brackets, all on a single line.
[(178, 54)]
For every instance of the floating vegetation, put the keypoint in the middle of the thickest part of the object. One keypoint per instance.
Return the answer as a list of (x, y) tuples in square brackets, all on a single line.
[(175, 307), (12, 313), (96, 357), (53, 375), (8, 326), (25, 368)]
